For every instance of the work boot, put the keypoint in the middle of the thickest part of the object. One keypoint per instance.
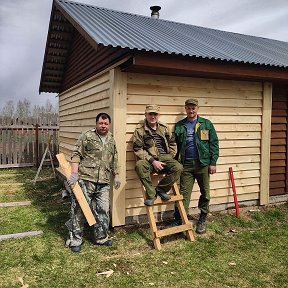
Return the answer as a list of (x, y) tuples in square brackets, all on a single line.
[(175, 223), (76, 248), (201, 225), (164, 196), (177, 218), (109, 242), (149, 201)]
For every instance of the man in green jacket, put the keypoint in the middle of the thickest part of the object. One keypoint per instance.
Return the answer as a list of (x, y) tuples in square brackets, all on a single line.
[(198, 151), (155, 148)]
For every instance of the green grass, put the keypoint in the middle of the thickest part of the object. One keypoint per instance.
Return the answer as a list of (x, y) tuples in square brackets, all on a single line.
[(247, 252)]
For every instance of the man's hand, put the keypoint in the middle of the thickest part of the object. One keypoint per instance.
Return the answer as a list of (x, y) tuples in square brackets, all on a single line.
[(212, 169), (117, 182), (158, 165), (74, 177)]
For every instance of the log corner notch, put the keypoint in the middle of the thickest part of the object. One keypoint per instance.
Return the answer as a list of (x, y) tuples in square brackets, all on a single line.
[(65, 170)]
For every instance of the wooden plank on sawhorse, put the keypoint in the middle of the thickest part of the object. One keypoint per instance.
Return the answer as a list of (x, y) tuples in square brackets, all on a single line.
[(185, 227), (66, 171)]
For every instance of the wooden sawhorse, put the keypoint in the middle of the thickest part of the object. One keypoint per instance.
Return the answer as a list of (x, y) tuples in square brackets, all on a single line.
[(177, 198)]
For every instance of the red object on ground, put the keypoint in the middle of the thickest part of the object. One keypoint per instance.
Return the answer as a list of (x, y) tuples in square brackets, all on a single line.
[(234, 191)]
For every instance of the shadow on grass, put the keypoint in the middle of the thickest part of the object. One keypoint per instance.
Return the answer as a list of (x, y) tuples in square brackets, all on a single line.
[(142, 232), (135, 232)]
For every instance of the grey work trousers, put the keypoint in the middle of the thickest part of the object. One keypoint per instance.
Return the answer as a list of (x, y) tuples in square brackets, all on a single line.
[(97, 196)]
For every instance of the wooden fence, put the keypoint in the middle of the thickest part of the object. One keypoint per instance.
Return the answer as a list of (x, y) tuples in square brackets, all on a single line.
[(24, 144)]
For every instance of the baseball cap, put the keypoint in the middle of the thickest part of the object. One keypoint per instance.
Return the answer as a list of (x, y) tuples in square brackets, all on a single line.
[(191, 102), (152, 108)]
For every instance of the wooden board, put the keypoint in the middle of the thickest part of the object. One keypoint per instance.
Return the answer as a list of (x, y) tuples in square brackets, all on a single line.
[(66, 168), (118, 92), (14, 204), (20, 235)]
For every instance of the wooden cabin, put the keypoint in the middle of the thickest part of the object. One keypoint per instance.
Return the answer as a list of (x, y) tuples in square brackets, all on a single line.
[(105, 60)]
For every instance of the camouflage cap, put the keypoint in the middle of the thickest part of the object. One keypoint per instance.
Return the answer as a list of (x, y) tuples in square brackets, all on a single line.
[(191, 102), (152, 108)]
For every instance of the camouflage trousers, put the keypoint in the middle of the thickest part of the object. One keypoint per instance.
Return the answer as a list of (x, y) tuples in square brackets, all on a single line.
[(97, 196)]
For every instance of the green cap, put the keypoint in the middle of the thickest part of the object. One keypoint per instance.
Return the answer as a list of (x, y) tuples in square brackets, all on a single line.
[(191, 102)]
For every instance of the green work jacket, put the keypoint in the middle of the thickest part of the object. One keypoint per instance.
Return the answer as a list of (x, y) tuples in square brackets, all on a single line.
[(206, 141)]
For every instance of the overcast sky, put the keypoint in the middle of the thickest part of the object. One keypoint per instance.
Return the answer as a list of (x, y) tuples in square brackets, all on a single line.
[(24, 27)]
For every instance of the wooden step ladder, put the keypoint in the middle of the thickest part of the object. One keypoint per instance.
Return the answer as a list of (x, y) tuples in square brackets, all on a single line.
[(157, 234)]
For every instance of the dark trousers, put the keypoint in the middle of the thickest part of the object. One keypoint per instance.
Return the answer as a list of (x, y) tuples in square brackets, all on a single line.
[(172, 173), (192, 170)]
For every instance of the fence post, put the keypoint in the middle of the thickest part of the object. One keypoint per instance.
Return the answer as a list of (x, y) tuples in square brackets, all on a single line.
[(37, 145)]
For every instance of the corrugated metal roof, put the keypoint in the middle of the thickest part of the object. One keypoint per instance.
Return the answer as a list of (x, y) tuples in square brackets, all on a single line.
[(126, 30)]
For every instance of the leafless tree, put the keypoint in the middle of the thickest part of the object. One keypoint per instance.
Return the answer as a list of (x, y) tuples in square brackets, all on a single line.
[(23, 112), (8, 109), (23, 109), (49, 107)]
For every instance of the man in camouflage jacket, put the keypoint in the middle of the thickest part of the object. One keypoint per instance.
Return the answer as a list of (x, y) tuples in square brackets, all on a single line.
[(94, 160), (155, 148)]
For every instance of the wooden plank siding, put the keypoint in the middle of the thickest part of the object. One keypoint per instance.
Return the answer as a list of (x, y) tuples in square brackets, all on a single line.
[(235, 108), (85, 60), (78, 108), (279, 143)]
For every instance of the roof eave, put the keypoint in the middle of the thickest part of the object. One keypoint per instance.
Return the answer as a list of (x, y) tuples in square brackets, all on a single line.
[(196, 66)]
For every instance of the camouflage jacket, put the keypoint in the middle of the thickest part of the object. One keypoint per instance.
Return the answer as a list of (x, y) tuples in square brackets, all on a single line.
[(97, 161), (144, 145)]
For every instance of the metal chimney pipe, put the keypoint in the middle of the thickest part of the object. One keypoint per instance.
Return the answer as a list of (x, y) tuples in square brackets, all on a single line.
[(155, 11)]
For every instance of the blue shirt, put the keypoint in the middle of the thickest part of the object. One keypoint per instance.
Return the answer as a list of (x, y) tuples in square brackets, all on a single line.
[(191, 152)]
